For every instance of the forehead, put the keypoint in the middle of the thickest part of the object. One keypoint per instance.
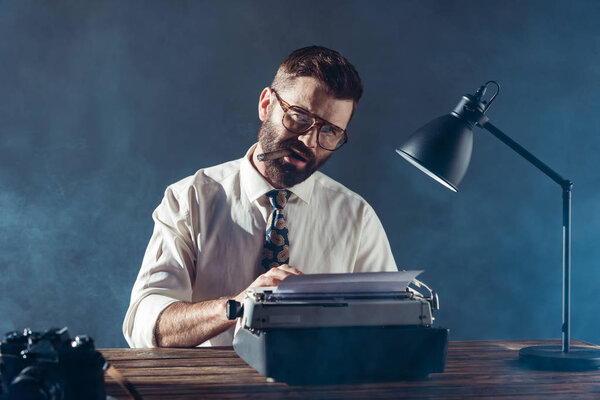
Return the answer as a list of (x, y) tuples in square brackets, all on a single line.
[(311, 94)]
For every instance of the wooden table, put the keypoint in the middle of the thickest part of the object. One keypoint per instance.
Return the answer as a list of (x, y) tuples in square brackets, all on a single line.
[(474, 370)]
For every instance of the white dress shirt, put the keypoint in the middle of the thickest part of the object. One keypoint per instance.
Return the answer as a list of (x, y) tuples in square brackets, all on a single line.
[(209, 234)]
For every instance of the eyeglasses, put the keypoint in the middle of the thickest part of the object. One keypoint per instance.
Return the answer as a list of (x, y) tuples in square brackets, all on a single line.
[(299, 121)]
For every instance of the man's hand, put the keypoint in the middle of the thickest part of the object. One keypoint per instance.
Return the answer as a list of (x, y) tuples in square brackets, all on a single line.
[(184, 324), (272, 277)]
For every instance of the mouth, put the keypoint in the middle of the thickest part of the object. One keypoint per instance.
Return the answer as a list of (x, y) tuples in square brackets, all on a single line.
[(297, 158)]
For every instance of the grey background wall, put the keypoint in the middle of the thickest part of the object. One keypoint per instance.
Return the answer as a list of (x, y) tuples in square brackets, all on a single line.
[(103, 104)]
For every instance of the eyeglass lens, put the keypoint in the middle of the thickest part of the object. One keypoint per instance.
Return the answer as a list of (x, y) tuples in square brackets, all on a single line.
[(330, 137)]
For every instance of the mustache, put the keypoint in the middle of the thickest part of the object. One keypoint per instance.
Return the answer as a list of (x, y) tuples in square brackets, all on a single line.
[(299, 148)]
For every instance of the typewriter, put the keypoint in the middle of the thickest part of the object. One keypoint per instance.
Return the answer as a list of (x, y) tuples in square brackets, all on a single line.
[(341, 328)]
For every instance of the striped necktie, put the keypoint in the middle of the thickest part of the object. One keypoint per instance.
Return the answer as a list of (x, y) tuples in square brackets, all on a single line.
[(276, 250)]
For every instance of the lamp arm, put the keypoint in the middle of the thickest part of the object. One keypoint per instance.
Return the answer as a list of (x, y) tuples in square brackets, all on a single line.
[(566, 186), (488, 126)]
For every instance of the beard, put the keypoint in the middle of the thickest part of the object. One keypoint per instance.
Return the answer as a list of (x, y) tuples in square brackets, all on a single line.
[(279, 172)]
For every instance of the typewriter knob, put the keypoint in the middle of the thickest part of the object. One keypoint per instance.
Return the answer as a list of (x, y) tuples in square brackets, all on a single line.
[(235, 309)]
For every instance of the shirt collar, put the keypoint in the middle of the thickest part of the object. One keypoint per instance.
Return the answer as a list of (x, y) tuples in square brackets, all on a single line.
[(255, 185)]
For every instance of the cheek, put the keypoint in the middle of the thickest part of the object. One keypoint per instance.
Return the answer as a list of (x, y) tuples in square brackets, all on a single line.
[(270, 130), (277, 128)]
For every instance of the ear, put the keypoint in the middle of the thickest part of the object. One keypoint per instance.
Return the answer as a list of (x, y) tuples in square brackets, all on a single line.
[(263, 103)]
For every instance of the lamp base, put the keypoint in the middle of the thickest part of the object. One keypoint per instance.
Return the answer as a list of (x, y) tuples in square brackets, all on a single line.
[(554, 359)]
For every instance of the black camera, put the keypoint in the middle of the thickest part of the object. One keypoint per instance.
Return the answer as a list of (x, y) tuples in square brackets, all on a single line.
[(49, 365)]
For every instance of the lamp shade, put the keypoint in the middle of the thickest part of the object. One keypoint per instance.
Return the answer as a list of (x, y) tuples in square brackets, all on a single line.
[(442, 149)]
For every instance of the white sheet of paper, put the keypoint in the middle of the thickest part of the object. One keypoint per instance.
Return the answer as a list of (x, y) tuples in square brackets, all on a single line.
[(366, 282)]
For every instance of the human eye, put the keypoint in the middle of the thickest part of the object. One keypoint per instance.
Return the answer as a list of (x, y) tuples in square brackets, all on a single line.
[(300, 117), (326, 128), (331, 130)]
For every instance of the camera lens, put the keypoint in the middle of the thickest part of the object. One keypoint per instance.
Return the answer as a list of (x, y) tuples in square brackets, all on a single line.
[(33, 384)]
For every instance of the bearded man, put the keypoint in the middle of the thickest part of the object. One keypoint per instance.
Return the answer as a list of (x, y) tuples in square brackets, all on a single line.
[(254, 221)]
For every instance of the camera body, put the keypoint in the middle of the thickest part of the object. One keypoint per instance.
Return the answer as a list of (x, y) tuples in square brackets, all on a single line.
[(49, 365)]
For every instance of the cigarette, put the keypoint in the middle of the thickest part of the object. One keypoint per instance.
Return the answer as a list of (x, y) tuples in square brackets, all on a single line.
[(273, 155)]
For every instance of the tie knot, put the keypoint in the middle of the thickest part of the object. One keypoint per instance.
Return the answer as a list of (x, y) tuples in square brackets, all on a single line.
[(278, 198)]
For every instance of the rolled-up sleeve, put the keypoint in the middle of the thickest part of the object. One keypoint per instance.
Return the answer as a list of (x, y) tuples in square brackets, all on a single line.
[(374, 252), (167, 271)]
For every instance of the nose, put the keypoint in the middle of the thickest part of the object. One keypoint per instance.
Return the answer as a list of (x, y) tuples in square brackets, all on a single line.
[(310, 138)]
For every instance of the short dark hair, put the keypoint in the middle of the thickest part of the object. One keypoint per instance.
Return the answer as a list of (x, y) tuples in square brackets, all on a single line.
[(326, 65)]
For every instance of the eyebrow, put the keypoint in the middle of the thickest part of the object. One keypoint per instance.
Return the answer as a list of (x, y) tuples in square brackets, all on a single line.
[(305, 110)]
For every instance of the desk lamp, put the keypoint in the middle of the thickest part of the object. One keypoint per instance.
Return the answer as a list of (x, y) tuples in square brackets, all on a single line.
[(442, 149)]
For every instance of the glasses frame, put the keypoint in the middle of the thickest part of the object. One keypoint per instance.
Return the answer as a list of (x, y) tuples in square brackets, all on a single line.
[(318, 121)]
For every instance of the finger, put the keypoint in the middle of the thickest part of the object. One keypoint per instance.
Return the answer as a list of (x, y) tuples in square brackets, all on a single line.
[(290, 269), (278, 273)]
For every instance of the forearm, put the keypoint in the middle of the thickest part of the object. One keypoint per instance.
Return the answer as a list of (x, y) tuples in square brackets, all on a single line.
[(184, 324)]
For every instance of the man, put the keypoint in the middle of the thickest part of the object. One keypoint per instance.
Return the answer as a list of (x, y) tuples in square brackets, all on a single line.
[(254, 221)]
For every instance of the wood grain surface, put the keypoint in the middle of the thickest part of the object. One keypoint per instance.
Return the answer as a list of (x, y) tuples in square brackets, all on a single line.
[(474, 370)]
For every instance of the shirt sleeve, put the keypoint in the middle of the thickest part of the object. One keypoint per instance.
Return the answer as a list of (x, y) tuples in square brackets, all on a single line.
[(167, 271), (374, 252)]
